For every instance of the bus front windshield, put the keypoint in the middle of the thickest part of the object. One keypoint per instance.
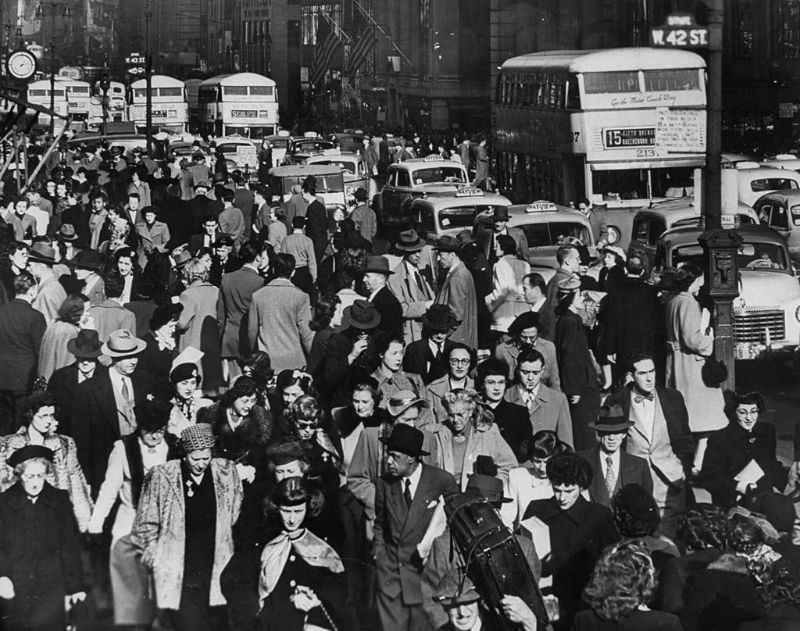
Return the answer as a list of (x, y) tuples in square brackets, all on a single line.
[(630, 184), (751, 256)]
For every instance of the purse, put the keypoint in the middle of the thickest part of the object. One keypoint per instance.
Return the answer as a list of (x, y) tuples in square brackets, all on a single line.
[(714, 372)]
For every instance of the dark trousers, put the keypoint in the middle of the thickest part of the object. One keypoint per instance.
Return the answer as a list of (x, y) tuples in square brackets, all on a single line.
[(397, 616), (11, 402), (195, 614), (582, 413), (302, 279)]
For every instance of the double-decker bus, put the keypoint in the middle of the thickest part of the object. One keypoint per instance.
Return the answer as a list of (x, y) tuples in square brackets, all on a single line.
[(79, 97), (38, 92), (117, 109), (244, 104), (619, 126), (170, 111)]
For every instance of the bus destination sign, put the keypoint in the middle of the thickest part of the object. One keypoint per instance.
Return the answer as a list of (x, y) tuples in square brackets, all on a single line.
[(679, 31), (625, 137)]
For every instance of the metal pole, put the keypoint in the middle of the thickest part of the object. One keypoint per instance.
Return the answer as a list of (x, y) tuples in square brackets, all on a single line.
[(53, 71), (148, 73)]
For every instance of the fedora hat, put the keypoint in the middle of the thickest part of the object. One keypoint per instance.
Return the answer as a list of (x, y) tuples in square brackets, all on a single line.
[(86, 346), (611, 419), (42, 253), (487, 486), (447, 244), (409, 241), (123, 343), (88, 259), (440, 317), (449, 595), (500, 214), (361, 315), (570, 284), (405, 439), (400, 401), (67, 232), (377, 264), (183, 257)]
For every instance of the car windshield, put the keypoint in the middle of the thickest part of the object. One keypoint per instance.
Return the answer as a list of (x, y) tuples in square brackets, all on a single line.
[(279, 143), (305, 146), (551, 233), (332, 183), (347, 166), (755, 255), (772, 184), (439, 174), (462, 216)]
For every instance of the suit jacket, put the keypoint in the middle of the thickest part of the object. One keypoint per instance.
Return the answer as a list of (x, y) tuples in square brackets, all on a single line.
[(317, 228), (458, 293), (515, 427), (235, 297), (551, 290), (63, 385), (391, 312), (110, 316), (278, 323), (21, 330), (419, 359), (49, 299), (509, 351), (675, 414), (550, 411), (413, 300), (399, 528), (632, 470), (631, 319), (95, 424)]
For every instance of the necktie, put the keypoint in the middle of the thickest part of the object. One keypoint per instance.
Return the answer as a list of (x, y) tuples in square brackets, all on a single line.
[(611, 476), (420, 285), (126, 393), (640, 398), (531, 402), (407, 492)]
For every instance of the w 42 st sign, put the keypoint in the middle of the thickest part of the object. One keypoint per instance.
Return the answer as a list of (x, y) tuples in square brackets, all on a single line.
[(679, 31)]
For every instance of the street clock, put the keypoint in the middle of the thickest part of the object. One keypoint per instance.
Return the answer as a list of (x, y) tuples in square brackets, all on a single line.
[(21, 64)]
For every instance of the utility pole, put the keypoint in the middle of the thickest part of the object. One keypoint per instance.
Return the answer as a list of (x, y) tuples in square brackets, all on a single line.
[(148, 73)]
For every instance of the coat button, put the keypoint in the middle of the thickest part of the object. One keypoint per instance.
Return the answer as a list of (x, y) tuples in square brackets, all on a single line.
[(292, 558)]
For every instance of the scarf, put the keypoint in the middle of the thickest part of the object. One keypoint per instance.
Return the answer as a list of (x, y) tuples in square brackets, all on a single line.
[(165, 339), (311, 548), (96, 222)]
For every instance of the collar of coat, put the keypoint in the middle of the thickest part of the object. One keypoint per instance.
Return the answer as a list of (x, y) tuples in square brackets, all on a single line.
[(578, 512), (18, 499)]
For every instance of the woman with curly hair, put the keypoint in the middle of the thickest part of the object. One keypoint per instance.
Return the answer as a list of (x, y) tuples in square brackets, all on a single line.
[(578, 529), (704, 535), (469, 432), (301, 578), (290, 385), (724, 595), (53, 352), (619, 594), (39, 427), (780, 593)]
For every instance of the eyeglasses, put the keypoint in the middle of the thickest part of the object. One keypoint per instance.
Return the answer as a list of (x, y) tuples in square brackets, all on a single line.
[(459, 362), (306, 425)]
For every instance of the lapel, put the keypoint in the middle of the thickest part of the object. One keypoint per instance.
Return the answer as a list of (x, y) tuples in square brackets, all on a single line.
[(107, 400), (175, 483), (420, 501), (599, 490)]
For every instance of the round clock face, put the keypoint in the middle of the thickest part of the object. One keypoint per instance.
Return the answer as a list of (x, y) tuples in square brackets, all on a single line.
[(21, 64)]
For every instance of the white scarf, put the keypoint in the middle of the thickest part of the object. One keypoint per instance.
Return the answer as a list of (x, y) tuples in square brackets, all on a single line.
[(311, 548)]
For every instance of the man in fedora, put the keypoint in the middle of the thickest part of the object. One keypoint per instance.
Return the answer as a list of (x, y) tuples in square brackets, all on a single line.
[(376, 277), (64, 382), (614, 467), (409, 285), (363, 216), (103, 409), (458, 292), (21, 331), (51, 293), (279, 318), (405, 501), (500, 226), (67, 236), (427, 357)]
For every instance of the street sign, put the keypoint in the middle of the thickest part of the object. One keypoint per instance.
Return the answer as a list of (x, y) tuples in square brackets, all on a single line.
[(679, 31), (136, 70), (135, 59)]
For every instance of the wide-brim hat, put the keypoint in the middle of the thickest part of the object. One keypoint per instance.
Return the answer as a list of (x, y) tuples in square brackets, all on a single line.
[(123, 343), (440, 317), (355, 242), (182, 258), (400, 401), (449, 595), (67, 232), (500, 214), (91, 260), (361, 315), (611, 419), (409, 241), (487, 486), (42, 253), (405, 439), (377, 264), (447, 244), (152, 415), (29, 452), (527, 320), (616, 250), (164, 314), (86, 345)]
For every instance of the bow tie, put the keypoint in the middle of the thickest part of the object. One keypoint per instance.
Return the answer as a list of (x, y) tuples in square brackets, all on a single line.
[(640, 398)]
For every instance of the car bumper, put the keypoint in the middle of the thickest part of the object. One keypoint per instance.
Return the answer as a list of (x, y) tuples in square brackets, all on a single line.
[(757, 350)]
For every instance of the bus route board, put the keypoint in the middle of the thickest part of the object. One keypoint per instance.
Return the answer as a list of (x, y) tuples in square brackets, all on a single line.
[(681, 131)]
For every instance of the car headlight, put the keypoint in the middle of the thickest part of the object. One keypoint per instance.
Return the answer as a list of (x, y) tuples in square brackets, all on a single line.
[(797, 314)]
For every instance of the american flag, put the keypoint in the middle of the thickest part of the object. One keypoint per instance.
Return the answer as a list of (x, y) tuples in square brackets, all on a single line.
[(325, 50), (361, 50)]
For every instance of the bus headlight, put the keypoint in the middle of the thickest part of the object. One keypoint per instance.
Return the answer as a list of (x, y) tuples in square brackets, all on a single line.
[(797, 314)]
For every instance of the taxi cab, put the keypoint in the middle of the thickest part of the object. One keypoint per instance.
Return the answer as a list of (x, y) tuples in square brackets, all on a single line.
[(355, 170), (330, 182), (755, 181), (546, 225), (300, 147), (766, 315), (239, 153), (440, 215), (781, 212), (414, 178)]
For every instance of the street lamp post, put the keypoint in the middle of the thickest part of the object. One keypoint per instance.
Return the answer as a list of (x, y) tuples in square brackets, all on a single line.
[(67, 14), (148, 73)]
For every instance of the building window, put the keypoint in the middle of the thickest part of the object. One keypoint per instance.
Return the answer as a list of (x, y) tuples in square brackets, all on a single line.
[(787, 29), (741, 29), (310, 17)]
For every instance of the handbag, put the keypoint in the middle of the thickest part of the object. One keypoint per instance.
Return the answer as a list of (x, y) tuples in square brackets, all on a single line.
[(713, 372)]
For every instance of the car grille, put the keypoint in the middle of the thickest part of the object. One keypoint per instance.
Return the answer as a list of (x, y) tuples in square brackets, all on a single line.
[(751, 326)]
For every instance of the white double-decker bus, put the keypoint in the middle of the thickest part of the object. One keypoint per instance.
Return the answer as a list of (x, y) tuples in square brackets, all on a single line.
[(170, 111), (619, 126), (79, 97), (243, 104), (38, 92)]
